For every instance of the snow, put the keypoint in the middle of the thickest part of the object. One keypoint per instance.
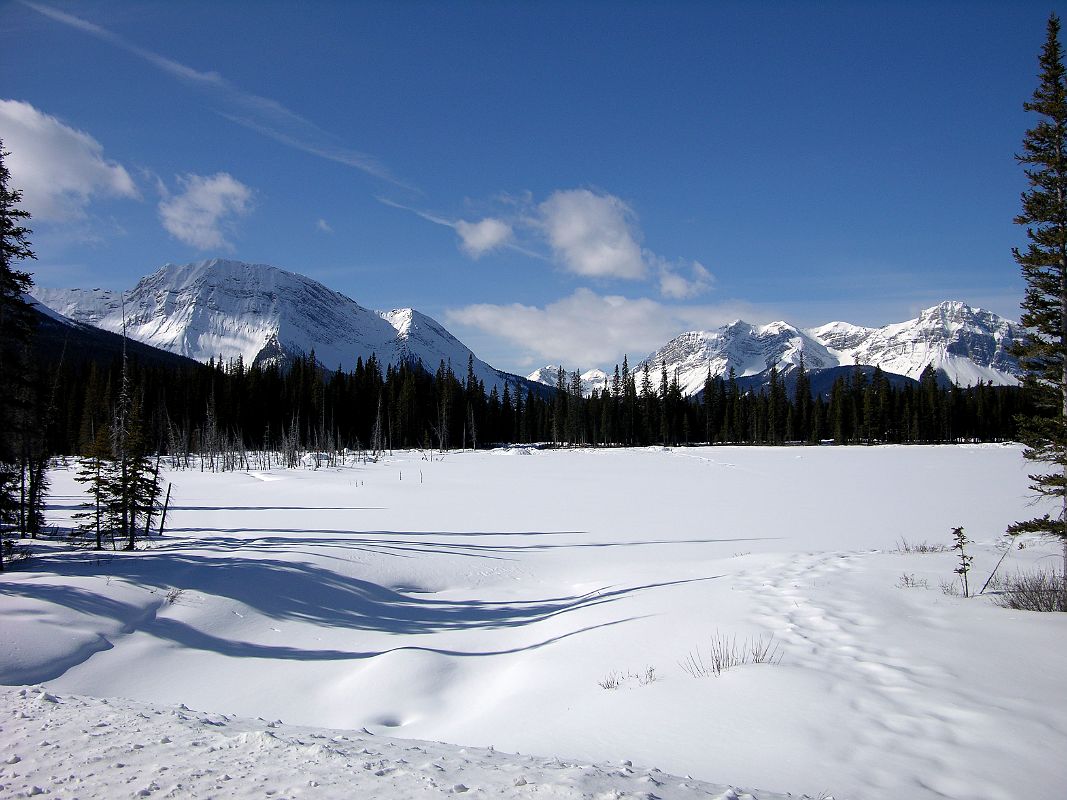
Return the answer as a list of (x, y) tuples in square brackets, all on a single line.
[(479, 600), (88, 306), (592, 379), (748, 349), (233, 309), (968, 344), (150, 750)]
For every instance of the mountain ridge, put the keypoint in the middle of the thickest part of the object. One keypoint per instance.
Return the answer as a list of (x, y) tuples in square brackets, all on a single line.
[(261, 313), (964, 344), (221, 308)]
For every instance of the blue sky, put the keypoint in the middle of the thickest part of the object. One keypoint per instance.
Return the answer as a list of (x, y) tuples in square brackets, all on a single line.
[(553, 181)]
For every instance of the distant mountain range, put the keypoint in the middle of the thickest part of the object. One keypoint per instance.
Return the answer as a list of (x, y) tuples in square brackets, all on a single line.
[(262, 314), (225, 309), (591, 379), (963, 344)]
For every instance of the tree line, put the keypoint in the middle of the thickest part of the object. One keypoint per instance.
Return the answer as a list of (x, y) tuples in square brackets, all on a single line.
[(207, 415)]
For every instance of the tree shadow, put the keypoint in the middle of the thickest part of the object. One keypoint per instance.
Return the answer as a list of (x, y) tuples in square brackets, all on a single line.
[(277, 508), (415, 543), (292, 591), (137, 618)]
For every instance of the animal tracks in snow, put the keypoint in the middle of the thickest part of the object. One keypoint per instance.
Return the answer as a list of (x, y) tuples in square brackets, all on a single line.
[(901, 694)]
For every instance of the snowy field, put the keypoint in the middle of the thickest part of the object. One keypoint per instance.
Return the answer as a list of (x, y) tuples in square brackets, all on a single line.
[(483, 599)]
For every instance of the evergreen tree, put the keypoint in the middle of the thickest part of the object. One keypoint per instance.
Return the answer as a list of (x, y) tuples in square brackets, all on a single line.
[(777, 408), (15, 332), (708, 396), (95, 472), (665, 407), (1044, 266), (802, 403)]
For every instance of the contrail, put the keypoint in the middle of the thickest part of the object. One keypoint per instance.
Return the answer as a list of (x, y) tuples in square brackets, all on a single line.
[(261, 114)]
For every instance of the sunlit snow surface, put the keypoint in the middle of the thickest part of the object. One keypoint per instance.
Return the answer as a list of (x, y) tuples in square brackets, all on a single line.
[(481, 599)]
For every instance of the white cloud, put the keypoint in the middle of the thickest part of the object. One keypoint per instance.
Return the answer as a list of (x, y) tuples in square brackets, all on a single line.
[(677, 286), (58, 168), (205, 209), (323, 226), (479, 238), (475, 238), (589, 329), (592, 234)]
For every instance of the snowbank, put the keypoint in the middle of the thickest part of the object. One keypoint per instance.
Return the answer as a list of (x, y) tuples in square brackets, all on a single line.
[(64, 745)]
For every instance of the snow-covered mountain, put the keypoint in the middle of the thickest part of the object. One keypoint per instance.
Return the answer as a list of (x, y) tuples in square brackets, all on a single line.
[(591, 379), (255, 311), (749, 349), (965, 344)]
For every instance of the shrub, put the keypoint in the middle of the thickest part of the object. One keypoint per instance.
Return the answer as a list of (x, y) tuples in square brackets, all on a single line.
[(920, 547), (615, 680), (14, 551), (911, 582), (1041, 590), (949, 587), (725, 653)]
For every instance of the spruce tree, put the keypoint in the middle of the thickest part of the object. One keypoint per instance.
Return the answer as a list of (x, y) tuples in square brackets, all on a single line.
[(1044, 266), (16, 327), (95, 472)]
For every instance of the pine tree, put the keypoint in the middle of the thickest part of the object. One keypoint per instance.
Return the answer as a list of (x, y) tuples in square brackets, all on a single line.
[(15, 331), (1044, 266)]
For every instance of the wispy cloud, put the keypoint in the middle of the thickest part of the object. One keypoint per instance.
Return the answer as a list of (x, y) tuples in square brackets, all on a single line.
[(205, 209), (324, 226), (674, 284), (436, 219), (475, 238), (590, 234), (261, 114), (58, 168)]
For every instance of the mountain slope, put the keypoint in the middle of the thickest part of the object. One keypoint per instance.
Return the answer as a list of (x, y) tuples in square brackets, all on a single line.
[(966, 344), (748, 349), (231, 309), (58, 338)]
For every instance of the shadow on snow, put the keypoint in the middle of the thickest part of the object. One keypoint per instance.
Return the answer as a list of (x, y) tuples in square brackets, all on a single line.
[(287, 591)]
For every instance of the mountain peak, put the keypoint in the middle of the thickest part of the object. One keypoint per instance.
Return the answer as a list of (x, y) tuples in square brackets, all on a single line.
[(966, 343), (590, 379), (224, 308)]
